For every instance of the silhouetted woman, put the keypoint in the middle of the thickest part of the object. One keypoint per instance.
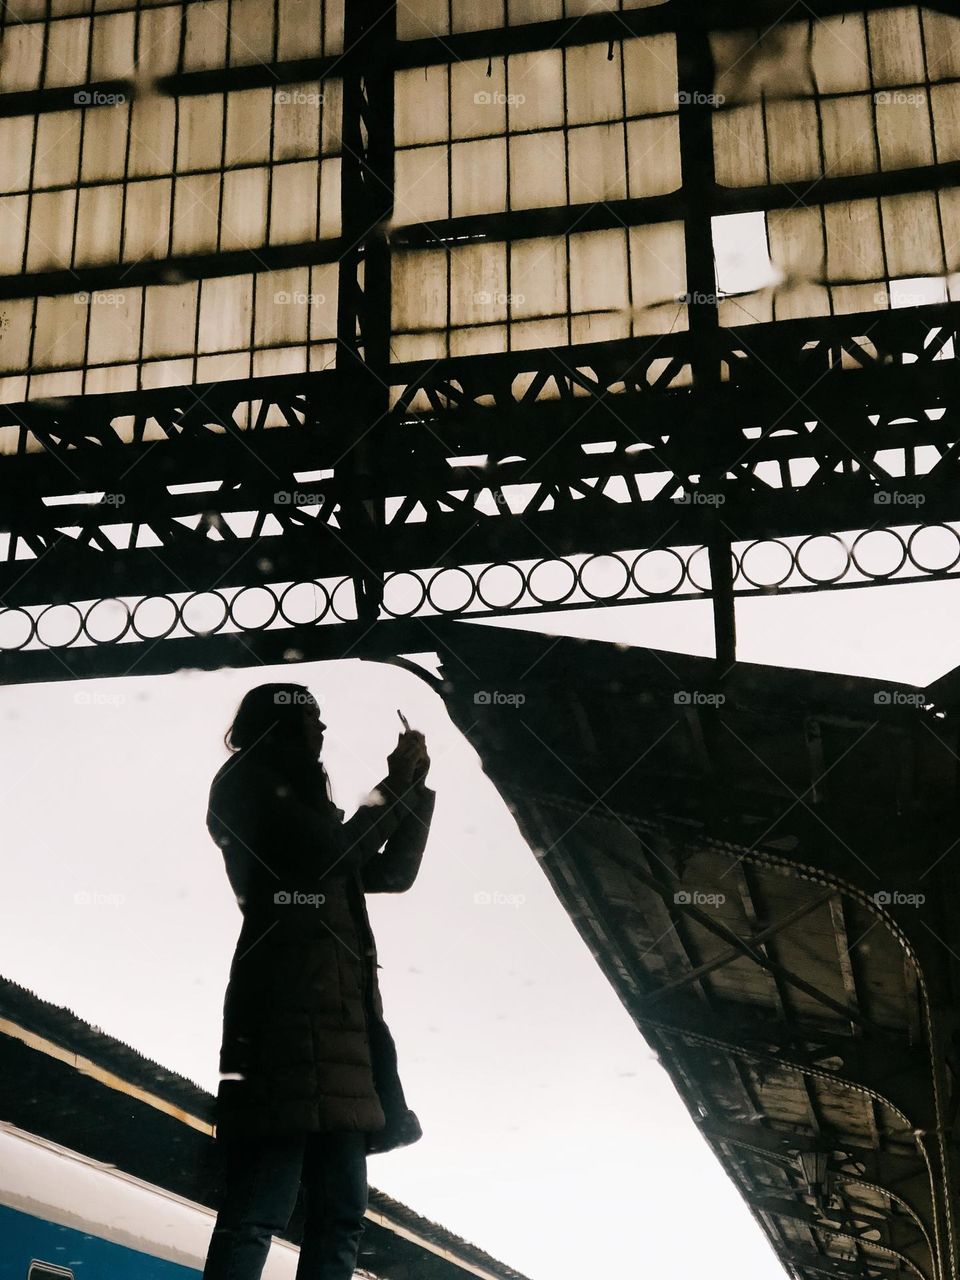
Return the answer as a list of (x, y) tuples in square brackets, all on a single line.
[(309, 1081)]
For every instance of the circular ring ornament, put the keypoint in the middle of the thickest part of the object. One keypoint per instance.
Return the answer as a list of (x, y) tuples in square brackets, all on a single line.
[(151, 602), (256, 593), (822, 579), (6, 616), (55, 614), (602, 565), (656, 567)]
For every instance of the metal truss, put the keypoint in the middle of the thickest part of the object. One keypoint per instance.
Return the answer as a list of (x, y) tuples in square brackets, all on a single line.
[(500, 484), (308, 514)]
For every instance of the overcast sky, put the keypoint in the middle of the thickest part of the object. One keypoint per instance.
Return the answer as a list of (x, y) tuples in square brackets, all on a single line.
[(552, 1138)]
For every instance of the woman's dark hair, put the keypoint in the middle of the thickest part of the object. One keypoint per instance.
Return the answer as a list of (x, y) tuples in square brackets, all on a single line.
[(270, 723), (272, 712)]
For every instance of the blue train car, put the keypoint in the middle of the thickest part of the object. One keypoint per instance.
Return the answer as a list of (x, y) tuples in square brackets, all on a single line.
[(109, 1170)]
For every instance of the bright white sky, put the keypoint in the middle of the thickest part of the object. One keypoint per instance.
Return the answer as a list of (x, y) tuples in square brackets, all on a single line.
[(552, 1137)]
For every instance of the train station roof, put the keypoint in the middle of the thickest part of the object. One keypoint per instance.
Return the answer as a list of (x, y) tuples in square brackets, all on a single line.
[(763, 863)]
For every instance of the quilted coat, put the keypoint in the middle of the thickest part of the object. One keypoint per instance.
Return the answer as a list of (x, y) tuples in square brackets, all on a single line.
[(305, 1046)]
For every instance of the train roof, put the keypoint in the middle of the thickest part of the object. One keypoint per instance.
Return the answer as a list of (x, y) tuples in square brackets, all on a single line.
[(73, 1084)]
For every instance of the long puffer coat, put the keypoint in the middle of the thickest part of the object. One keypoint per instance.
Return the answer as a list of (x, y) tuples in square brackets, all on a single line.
[(305, 1047)]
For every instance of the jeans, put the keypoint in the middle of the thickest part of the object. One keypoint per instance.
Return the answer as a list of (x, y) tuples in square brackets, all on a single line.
[(263, 1177)]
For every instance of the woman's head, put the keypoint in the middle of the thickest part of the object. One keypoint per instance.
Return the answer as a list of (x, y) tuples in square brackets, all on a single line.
[(283, 715)]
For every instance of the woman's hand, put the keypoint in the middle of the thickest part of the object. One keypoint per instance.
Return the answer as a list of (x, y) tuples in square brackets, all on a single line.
[(408, 762)]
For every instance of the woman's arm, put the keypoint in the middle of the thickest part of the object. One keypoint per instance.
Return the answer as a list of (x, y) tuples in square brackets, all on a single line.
[(396, 868)]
